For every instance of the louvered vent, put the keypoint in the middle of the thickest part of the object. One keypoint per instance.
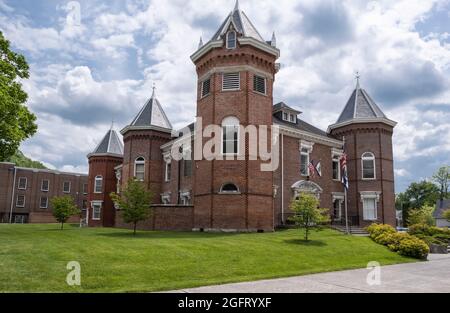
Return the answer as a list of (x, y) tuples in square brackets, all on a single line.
[(231, 81), (259, 84), (206, 87)]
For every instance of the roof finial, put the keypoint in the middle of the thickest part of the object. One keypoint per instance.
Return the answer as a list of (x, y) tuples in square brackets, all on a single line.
[(273, 42), (112, 124), (154, 91), (200, 44), (358, 76), (236, 7)]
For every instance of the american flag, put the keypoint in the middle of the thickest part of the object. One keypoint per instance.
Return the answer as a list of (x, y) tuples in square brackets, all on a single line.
[(312, 169), (344, 175)]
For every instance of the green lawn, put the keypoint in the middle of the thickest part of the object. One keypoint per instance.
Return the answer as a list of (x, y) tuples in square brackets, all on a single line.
[(33, 258)]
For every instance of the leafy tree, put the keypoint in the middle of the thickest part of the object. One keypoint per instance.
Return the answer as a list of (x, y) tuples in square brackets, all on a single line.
[(423, 216), (417, 196), (17, 123), (21, 160), (134, 202), (63, 209), (442, 179), (447, 215), (307, 215)]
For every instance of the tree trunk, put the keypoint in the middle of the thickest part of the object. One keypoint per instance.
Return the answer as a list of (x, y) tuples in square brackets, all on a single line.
[(62, 225), (135, 225)]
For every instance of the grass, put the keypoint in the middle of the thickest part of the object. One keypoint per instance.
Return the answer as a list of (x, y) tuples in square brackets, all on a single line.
[(33, 258)]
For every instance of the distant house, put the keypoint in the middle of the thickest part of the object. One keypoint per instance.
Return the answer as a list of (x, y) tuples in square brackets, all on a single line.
[(441, 207)]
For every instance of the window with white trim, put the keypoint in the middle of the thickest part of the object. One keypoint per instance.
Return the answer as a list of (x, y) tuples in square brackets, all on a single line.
[(230, 136), (85, 189), (336, 168), (45, 185), (139, 169), (231, 81), (304, 162), (66, 186), (98, 184), (337, 209), (368, 166), (259, 84), (231, 39), (370, 209), (20, 201), (206, 87), (43, 203), (165, 199), (292, 118), (22, 185), (285, 116), (96, 211), (168, 171)]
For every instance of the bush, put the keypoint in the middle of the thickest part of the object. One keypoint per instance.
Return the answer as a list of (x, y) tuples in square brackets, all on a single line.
[(376, 230), (413, 247), (431, 234), (402, 243)]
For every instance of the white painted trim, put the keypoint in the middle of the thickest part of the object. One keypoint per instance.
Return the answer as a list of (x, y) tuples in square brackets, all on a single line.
[(235, 68), (97, 178), (156, 128), (100, 204), (17, 201), (296, 133), (48, 185), (136, 162), (40, 203), (70, 186), (203, 50), (362, 121), (26, 183), (260, 45), (373, 158)]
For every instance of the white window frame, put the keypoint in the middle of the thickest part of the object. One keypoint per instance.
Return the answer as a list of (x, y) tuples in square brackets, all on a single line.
[(285, 116), (165, 199), (306, 148), (335, 159), (292, 118), (26, 183), (46, 203), (167, 173), (48, 185), (369, 156), (231, 32), (255, 76), (231, 89), (96, 180), (95, 205), (17, 201), (139, 161), (64, 185), (230, 121), (202, 86), (85, 188)]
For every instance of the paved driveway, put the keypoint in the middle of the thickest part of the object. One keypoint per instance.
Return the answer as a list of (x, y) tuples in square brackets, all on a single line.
[(431, 276)]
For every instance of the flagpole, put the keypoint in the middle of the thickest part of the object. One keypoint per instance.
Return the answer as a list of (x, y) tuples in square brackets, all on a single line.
[(346, 203)]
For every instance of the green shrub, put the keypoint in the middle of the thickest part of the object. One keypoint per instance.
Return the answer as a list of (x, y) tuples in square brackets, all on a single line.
[(413, 247), (430, 234), (376, 230), (396, 239)]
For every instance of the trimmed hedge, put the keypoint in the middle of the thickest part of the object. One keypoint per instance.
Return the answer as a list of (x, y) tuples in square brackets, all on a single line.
[(430, 234), (402, 243)]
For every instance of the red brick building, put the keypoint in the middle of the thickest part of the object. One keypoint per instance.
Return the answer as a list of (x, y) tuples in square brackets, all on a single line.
[(25, 193), (236, 71)]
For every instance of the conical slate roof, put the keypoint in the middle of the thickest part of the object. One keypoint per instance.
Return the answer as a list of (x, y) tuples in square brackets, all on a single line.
[(110, 144), (360, 106), (241, 24), (151, 115)]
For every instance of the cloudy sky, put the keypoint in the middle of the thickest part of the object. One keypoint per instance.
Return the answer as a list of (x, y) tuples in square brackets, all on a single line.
[(90, 68)]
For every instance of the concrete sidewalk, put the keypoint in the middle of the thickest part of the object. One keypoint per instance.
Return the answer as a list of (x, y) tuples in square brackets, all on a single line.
[(431, 276)]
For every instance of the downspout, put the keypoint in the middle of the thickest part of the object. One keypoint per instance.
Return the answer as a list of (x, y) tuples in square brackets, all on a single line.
[(282, 179), (12, 196)]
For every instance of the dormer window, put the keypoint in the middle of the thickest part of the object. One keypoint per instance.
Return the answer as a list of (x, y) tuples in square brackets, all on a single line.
[(231, 39), (292, 118), (285, 116)]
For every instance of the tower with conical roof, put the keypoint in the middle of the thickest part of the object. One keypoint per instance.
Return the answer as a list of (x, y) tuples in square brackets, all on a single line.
[(102, 180), (367, 134), (143, 137), (236, 70)]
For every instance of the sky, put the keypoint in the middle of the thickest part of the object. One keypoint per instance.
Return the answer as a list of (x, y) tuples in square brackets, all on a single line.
[(92, 62)]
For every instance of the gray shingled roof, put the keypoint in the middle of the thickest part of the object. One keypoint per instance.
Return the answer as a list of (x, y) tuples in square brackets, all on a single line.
[(360, 106), (152, 114), (241, 23), (110, 144), (441, 207), (281, 105), (302, 125)]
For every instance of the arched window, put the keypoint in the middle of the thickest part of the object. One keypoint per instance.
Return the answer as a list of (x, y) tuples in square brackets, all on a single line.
[(368, 165), (139, 169), (230, 136), (98, 184), (231, 39), (229, 188)]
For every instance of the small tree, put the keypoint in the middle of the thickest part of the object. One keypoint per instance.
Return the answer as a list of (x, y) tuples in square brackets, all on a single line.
[(442, 179), (307, 215), (63, 209), (446, 215), (423, 215), (134, 202)]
